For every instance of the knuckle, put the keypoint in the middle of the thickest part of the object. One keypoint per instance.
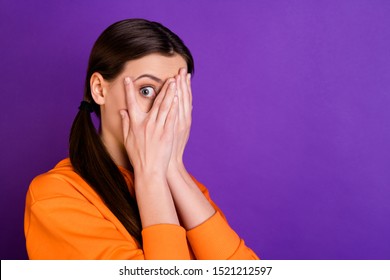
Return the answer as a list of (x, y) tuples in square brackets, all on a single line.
[(148, 124), (157, 101), (167, 137), (164, 106)]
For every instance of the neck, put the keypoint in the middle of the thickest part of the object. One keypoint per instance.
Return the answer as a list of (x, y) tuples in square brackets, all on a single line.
[(116, 150)]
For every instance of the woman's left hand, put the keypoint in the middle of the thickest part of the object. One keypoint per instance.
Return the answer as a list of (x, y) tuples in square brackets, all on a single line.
[(184, 118)]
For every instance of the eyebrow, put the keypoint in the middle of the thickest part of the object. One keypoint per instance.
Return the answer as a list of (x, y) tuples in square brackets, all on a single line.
[(154, 78)]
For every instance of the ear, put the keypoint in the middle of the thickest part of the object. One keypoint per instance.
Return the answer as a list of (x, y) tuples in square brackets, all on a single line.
[(98, 88)]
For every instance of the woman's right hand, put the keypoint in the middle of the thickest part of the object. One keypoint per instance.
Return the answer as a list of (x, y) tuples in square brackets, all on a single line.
[(148, 137)]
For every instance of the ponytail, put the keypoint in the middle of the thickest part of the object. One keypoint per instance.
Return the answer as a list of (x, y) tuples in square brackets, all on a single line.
[(92, 162)]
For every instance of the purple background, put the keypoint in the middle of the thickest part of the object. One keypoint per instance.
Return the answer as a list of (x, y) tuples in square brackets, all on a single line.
[(291, 113)]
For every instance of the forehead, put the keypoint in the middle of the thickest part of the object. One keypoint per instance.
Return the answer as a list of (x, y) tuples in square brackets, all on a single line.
[(163, 67)]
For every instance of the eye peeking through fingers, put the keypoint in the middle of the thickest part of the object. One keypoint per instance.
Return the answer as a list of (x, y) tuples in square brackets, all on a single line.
[(148, 92)]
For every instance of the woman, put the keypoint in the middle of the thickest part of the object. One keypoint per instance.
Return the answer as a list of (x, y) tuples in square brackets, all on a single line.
[(124, 192)]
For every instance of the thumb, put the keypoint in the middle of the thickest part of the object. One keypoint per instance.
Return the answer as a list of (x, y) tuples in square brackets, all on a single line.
[(125, 123)]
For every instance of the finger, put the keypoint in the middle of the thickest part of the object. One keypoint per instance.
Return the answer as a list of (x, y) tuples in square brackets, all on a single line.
[(186, 98), (189, 90), (159, 99), (125, 123), (180, 92), (166, 104), (172, 115), (131, 101)]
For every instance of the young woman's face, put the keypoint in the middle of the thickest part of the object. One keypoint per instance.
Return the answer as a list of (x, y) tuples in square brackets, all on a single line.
[(148, 74)]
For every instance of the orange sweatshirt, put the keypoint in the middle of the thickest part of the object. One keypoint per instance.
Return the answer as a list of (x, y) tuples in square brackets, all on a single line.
[(66, 219)]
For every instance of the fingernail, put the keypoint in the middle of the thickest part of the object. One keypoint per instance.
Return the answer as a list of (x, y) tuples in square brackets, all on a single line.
[(122, 114), (173, 85), (127, 80)]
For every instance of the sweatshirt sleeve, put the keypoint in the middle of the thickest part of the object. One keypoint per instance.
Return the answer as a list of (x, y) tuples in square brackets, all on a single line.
[(61, 224), (215, 239)]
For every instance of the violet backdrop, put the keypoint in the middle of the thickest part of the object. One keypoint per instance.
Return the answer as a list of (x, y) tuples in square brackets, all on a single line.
[(291, 127)]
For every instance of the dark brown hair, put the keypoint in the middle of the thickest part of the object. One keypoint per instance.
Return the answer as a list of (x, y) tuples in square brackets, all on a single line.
[(121, 42)]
